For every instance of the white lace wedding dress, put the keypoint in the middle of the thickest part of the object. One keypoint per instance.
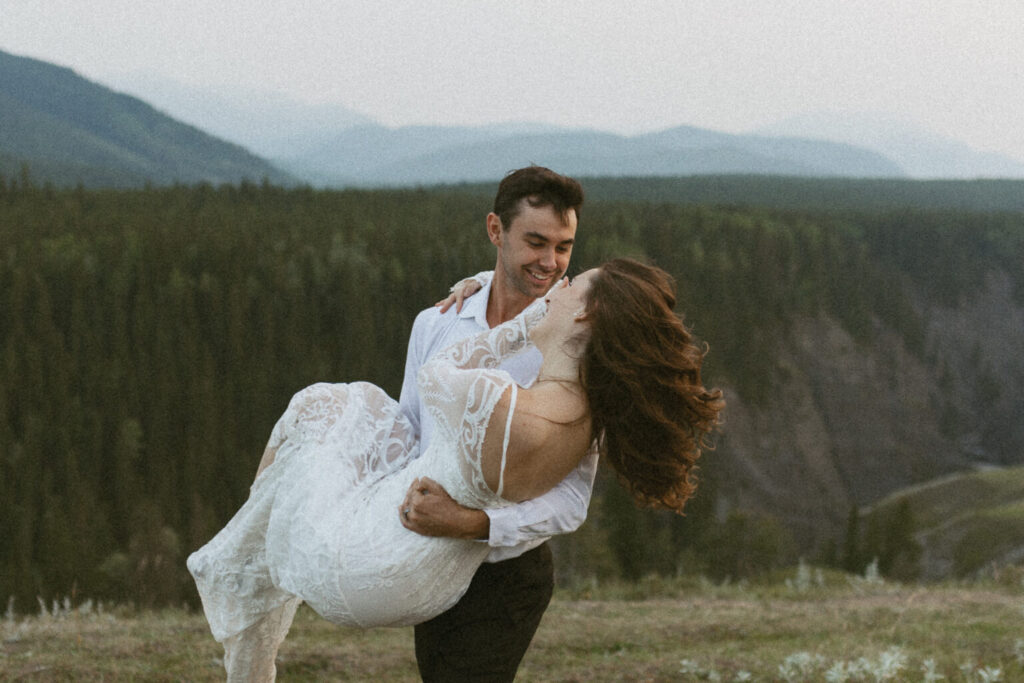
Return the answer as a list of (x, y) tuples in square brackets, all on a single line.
[(321, 523)]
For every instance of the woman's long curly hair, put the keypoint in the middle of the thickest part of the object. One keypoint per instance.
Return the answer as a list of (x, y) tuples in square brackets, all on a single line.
[(640, 370)]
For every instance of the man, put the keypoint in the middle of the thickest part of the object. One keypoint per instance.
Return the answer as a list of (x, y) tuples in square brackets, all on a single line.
[(485, 635)]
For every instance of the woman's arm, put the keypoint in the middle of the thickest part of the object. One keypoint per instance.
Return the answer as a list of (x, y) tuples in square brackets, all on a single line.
[(463, 289), (485, 350)]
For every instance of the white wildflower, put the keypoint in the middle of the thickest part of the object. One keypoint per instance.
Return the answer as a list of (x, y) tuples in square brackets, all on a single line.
[(931, 674), (802, 582), (798, 666), (688, 666), (871, 574), (861, 668), (692, 668), (890, 663), (837, 673), (990, 675)]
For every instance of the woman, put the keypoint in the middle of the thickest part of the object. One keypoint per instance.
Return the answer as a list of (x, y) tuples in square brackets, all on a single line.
[(320, 526)]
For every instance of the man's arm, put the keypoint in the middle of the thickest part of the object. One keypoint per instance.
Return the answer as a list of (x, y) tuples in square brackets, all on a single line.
[(418, 351), (430, 511), (409, 399), (562, 510)]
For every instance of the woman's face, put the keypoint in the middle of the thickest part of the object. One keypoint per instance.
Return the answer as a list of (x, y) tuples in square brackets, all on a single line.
[(569, 297)]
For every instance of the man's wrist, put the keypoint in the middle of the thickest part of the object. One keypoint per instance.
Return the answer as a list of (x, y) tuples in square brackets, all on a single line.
[(474, 525)]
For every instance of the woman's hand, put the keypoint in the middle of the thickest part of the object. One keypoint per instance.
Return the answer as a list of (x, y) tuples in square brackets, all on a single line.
[(460, 292)]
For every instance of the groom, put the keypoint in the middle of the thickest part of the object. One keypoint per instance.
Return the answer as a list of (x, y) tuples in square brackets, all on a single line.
[(485, 635)]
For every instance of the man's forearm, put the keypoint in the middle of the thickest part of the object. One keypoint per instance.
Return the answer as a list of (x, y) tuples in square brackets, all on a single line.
[(429, 511), (472, 524)]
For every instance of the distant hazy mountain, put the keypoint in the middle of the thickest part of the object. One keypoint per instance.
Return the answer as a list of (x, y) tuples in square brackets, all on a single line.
[(332, 145), (922, 154), (264, 122), (375, 155), (70, 130)]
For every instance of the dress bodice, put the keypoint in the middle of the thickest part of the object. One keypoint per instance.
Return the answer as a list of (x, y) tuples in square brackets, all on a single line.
[(461, 387)]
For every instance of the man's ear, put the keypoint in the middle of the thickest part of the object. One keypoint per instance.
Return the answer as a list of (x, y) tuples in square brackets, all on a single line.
[(494, 231)]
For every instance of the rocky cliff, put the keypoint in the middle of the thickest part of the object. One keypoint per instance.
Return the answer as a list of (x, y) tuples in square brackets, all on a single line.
[(849, 422)]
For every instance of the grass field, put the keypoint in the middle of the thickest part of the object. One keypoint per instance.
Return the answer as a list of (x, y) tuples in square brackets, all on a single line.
[(802, 627)]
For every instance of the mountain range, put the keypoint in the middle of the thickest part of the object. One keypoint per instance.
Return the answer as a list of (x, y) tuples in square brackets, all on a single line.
[(374, 155), (920, 153), (331, 144), (70, 130)]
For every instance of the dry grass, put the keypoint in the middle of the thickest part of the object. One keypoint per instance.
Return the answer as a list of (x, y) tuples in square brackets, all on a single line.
[(680, 631)]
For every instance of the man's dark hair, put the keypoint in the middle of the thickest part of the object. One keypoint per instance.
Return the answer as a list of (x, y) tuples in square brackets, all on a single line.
[(540, 187)]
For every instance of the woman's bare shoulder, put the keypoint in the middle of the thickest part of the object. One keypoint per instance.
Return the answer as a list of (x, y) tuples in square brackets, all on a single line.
[(550, 433)]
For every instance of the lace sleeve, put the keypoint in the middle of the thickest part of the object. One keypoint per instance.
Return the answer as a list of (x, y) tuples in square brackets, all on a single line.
[(486, 349)]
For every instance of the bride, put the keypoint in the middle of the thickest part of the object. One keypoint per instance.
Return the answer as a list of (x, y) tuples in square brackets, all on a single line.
[(320, 524)]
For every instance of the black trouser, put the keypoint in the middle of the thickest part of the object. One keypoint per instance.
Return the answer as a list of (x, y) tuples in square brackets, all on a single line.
[(485, 635)]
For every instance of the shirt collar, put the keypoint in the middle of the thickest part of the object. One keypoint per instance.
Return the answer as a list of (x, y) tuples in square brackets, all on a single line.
[(475, 306)]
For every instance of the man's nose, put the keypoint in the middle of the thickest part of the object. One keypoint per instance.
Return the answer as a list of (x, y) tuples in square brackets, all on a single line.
[(547, 259)]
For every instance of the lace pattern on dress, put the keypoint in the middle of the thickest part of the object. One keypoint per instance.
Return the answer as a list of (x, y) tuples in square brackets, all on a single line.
[(460, 388), (240, 573), (321, 524)]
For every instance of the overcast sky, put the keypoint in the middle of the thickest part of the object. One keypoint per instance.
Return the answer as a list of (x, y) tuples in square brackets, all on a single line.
[(952, 66)]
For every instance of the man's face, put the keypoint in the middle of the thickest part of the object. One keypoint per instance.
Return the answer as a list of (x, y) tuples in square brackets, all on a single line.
[(534, 252)]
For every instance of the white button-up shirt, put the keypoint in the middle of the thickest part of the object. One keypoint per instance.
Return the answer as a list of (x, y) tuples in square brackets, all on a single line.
[(521, 527)]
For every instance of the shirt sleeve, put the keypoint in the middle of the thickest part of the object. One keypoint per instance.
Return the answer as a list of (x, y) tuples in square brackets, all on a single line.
[(409, 399), (428, 330), (561, 510)]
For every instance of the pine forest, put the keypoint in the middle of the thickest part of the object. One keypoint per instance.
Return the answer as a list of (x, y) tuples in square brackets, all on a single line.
[(150, 338)]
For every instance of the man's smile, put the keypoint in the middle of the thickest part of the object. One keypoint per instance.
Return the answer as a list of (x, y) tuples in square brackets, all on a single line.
[(540, 278)]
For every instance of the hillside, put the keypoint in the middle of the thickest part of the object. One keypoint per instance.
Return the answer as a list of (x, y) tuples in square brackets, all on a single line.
[(964, 523), (69, 130), (266, 122)]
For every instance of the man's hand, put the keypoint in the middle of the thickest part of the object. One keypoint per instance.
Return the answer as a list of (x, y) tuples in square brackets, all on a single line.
[(428, 510)]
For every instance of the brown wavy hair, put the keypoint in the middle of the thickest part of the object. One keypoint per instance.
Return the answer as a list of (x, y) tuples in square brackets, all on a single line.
[(640, 370)]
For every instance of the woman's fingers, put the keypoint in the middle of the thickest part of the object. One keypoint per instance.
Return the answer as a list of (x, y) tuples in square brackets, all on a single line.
[(446, 303)]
